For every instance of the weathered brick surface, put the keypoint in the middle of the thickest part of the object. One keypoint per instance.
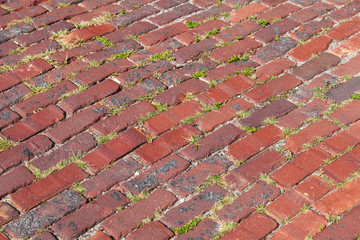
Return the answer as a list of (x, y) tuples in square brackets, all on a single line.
[(15, 179), (274, 50), (155, 229)]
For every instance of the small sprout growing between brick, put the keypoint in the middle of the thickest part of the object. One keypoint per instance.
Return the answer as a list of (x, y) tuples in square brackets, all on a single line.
[(194, 140), (332, 218), (269, 121), (213, 83), (192, 24), (224, 227), (161, 56), (260, 208), (120, 55), (6, 144), (136, 198), (304, 208), (267, 179), (248, 71), (225, 15), (104, 139), (188, 226), (275, 20), (249, 129), (104, 40), (200, 73), (243, 114), (234, 58), (122, 12), (77, 187)]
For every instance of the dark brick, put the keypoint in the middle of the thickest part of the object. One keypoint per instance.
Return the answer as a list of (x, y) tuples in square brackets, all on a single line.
[(7, 117), (14, 95), (15, 30), (58, 14), (346, 11), (133, 29), (307, 30), (277, 29), (193, 50), (176, 12), (135, 15), (274, 50), (47, 213), (344, 91), (210, 12), (312, 12)]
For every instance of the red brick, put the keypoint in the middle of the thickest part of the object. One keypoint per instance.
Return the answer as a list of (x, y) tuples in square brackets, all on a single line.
[(16, 30), (339, 142), (75, 124), (40, 100), (239, 30), (166, 120), (315, 46), (214, 118), (213, 142), (251, 170), (8, 80), (245, 204), (39, 191), (347, 11), (166, 144), (18, 5), (303, 225), (32, 69), (78, 36), (124, 143), (311, 159), (124, 221), (73, 225), (206, 229), (3, 236), (246, 12), (280, 11), (238, 48), (45, 236), (7, 47), (176, 12), (136, 28), (101, 29), (42, 47), (339, 200), (20, 131), (252, 144), (349, 68), (275, 49), (157, 174), (313, 188), (345, 29), (273, 3), (296, 118), (58, 14), (100, 236), (274, 109), (307, 30), (162, 34), (354, 130), (185, 183), (230, 69), (258, 225), (226, 90), (273, 68), (177, 94), (272, 31), (135, 15), (183, 213), (14, 95), (46, 214), (348, 113), (342, 168), (273, 88), (155, 229), (164, 4), (80, 144), (321, 128), (24, 151), (347, 227), (312, 12), (189, 36), (286, 206), (7, 213), (288, 175), (7, 117), (15, 179), (82, 50), (191, 51), (120, 121), (210, 12)]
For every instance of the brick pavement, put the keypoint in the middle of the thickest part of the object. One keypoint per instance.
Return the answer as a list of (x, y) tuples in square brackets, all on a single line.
[(179, 119)]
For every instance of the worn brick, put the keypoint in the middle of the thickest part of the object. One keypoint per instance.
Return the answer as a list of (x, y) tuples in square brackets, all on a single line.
[(191, 51), (15, 179), (103, 181), (245, 204), (344, 91), (339, 142), (206, 229), (157, 174), (315, 46), (275, 49), (210, 12), (280, 11), (345, 29), (166, 144), (239, 30), (7, 117), (15, 30), (349, 68), (8, 80), (306, 3), (32, 69), (176, 12), (80, 144), (45, 236), (274, 109), (288, 175), (39, 191), (135, 15), (124, 143), (251, 170), (159, 35), (100, 236), (307, 30), (185, 183), (246, 12), (252, 144), (348, 113), (273, 68), (312, 12), (183, 213), (46, 214), (213, 142), (154, 229), (51, 96), (346, 11), (277, 29), (7, 213), (229, 70), (165, 4), (58, 14), (7, 47), (24, 151), (133, 29), (316, 66), (166, 120), (321, 128), (342, 168), (76, 223), (126, 220)]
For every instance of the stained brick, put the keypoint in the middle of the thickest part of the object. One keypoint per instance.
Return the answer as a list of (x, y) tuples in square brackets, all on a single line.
[(346, 11), (15, 30), (210, 12), (344, 91), (274, 50), (135, 15), (155, 229), (191, 51), (206, 229), (278, 28), (245, 204), (246, 12), (240, 30), (103, 181), (15, 179), (80, 144), (7, 213), (252, 144), (280, 11), (76, 223), (348, 113), (345, 29), (312, 12), (157, 174), (166, 144), (46, 214), (45, 236), (342, 168), (316, 66), (7, 117), (306, 3), (39, 191), (307, 30), (315, 46), (8, 80), (124, 221), (164, 4), (273, 68), (185, 183), (176, 12), (133, 29), (75, 124), (183, 213), (58, 14), (349, 68), (32, 69)]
